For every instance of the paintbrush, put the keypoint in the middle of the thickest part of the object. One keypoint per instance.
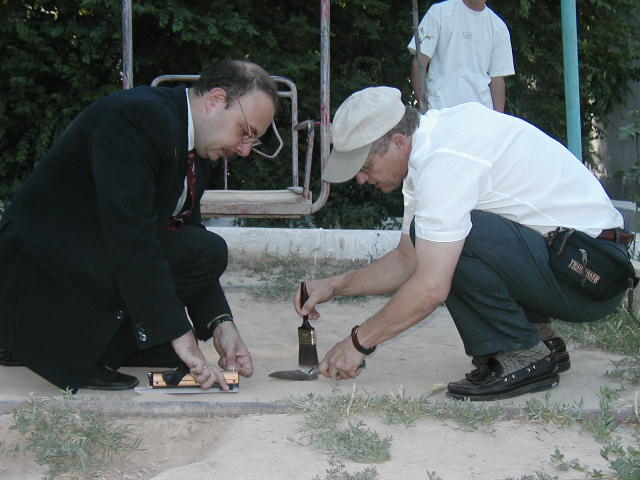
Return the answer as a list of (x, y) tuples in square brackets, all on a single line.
[(307, 351)]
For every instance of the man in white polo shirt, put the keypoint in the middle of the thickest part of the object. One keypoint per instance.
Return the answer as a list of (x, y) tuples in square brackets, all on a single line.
[(467, 50), (483, 191)]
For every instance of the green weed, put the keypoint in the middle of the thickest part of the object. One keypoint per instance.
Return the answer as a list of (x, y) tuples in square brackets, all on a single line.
[(536, 476), (564, 465), (625, 462), (337, 471), (283, 273), (67, 439), (626, 369), (398, 408), (544, 411), (325, 417), (433, 475), (606, 423), (356, 442), (468, 415), (618, 332)]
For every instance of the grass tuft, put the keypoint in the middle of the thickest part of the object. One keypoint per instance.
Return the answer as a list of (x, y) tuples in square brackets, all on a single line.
[(283, 273), (606, 423), (618, 332), (536, 476), (337, 471), (626, 369), (468, 415), (356, 442), (544, 411), (68, 440)]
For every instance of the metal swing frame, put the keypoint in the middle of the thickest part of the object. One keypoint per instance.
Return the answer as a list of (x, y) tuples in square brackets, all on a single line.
[(296, 199)]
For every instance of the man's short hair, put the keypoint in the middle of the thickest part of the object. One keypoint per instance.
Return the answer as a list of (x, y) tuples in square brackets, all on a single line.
[(406, 126), (237, 78)]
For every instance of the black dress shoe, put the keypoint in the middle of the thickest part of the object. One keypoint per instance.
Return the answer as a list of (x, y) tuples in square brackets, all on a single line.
[(558, 351), (489, 383), (103, 378), (8, 359)]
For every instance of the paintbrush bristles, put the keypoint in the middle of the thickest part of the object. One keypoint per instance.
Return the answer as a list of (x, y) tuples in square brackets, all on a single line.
[(307, 351)]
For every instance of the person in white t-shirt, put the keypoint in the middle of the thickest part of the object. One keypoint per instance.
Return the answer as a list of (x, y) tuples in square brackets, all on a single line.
[(466, 49), (484, 192)]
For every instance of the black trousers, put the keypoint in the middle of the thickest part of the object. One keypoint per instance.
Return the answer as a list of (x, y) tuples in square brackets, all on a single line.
[(197, 259)]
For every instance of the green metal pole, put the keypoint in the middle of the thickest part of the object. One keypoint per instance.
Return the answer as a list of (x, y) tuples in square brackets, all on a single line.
[(571, 76)]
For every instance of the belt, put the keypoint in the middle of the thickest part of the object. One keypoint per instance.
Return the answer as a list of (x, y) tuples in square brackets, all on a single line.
[(618, 235)]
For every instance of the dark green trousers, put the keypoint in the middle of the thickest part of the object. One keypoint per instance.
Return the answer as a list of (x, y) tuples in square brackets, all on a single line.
[(503, 285)]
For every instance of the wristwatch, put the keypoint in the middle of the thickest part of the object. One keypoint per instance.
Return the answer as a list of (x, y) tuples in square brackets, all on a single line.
[(225, 317)]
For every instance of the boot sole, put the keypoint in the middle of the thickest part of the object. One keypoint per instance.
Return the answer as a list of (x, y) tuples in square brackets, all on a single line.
[(544, 383)]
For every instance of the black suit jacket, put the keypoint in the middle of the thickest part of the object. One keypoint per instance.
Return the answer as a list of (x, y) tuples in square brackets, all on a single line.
[(80, 243)]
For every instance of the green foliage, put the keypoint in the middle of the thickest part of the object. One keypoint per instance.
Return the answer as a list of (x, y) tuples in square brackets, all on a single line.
[(608, 49), (544, 411), (536, 476), (337, 471), (67, 439), (60, 56), (564, 465), (467, 414), (357, 443), (282, 274), (606, 423), (56, 58), (625, 462), (626, 369), (618, 332)]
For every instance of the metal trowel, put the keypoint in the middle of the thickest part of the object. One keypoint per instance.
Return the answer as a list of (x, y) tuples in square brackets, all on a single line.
[(296, 374), (301, 374)]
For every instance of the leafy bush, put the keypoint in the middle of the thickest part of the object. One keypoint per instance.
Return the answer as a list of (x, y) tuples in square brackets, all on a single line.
[(58, 56)]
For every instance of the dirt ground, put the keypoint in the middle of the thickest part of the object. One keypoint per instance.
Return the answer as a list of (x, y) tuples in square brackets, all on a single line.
[(264, 446)]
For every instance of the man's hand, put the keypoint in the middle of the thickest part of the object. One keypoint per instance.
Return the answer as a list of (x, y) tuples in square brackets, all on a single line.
[(234, 355), (186, 347), (320, 291), (342, 361)]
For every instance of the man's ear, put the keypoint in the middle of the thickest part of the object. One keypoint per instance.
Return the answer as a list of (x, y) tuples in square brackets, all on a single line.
[(399, 139), (216, 97)]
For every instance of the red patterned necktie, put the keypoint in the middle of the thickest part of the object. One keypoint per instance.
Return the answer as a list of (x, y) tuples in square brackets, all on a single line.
[(176, 221)]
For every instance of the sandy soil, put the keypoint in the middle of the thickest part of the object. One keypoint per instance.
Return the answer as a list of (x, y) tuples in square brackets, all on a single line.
[(265, 447)]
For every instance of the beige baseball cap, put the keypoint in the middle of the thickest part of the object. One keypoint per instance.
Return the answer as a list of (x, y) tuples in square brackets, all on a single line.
[(362, 119)]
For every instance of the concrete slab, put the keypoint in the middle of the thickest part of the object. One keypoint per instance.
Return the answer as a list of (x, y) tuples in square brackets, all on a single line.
[(427, 355)]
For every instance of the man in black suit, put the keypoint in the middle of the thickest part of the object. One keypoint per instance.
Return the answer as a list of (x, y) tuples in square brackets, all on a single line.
[(105, 261)]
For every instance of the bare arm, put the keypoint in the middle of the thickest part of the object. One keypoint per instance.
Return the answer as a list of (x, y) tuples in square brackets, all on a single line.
[(498, 93), (420, 295), (382, 276), (415, 77)]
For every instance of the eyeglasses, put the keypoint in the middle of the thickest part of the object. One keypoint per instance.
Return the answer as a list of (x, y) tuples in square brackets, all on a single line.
[(367, 165), (249, 137)]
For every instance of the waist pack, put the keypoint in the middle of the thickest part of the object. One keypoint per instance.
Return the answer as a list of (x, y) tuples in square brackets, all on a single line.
[(589, 264)]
